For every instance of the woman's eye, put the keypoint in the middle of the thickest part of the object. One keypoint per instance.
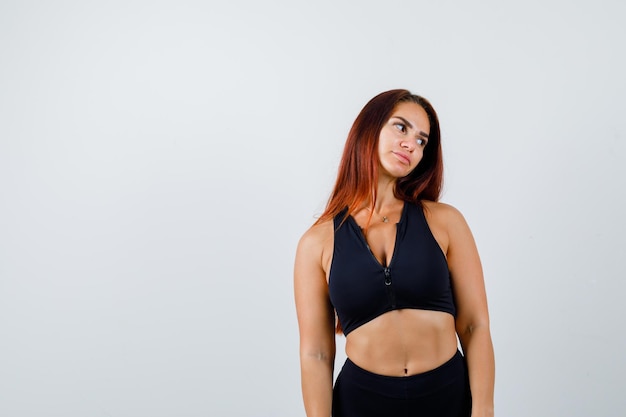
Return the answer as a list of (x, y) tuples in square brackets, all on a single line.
[(401, 127), (421, 142)]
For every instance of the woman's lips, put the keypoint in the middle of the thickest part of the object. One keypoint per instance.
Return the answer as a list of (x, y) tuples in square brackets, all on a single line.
[(403, 158)]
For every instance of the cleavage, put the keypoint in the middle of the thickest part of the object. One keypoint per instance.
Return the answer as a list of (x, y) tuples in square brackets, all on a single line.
[(381, 241)]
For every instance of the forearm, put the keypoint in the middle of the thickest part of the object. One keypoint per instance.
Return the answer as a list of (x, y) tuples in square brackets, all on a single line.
[(478, 350), (317, 385)]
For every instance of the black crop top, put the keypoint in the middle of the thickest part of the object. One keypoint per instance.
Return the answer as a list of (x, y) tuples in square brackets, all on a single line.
[(361, 288)]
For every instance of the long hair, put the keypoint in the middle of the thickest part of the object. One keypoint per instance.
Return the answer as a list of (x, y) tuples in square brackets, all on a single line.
[(358, 170)]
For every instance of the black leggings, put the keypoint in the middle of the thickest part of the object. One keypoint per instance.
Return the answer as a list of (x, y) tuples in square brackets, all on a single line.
[(441, 392)]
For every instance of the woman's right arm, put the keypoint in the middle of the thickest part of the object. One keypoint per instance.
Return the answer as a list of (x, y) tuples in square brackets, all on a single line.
[(316, 321)]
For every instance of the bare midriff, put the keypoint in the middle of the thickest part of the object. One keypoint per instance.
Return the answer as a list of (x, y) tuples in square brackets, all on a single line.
[(403, 342)]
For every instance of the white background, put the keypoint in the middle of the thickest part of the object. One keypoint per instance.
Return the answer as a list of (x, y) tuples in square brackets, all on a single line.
[(159, 161)]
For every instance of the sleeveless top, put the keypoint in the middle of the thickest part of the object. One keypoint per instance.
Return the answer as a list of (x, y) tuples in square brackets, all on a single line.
[(417, 276)]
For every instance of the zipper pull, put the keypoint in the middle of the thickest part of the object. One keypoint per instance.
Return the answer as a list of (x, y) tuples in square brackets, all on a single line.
[(390, 292), (387, 276)]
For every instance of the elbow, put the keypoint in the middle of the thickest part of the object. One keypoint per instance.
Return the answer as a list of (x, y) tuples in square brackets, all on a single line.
[(474, 333), (318, 355), (468, 328), (313, 362), (468, 323)]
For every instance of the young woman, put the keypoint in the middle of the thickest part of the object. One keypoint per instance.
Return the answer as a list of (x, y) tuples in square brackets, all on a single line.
[(399, 274)]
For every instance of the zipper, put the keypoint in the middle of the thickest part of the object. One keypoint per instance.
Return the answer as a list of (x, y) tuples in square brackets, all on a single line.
[(391, 295), (387, 277)]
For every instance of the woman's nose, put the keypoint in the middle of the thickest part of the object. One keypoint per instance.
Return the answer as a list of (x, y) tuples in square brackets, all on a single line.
[(408, 145)]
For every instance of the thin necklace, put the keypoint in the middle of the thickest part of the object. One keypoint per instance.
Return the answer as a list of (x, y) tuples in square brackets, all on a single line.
[(385, 218)]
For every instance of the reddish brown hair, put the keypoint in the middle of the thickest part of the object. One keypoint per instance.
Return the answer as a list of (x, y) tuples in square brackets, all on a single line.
[(358, 169)]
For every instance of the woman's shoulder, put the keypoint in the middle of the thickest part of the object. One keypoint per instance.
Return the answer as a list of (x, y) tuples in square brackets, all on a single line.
[(317, 236), (443, 215), (446, 223), (315, 248), (449, 219), (441, 210)]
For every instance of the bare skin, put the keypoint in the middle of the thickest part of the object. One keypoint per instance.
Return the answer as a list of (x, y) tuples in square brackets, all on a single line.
[(400, 342)]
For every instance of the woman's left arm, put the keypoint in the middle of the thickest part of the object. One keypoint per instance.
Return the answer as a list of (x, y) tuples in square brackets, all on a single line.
[(472, 321)]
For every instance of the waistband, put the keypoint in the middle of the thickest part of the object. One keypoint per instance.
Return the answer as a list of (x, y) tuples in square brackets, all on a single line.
[(425, 383)]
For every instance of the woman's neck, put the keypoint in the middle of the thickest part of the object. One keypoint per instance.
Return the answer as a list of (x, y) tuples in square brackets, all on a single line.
[(385, 198)]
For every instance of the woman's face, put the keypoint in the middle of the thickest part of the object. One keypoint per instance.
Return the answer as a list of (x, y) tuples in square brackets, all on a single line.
[(402, 140)]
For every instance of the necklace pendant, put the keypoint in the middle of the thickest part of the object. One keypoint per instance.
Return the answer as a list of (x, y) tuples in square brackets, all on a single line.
[(385, 219)]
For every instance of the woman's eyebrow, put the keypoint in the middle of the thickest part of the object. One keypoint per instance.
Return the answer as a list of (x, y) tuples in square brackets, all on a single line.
[(411, 125)]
